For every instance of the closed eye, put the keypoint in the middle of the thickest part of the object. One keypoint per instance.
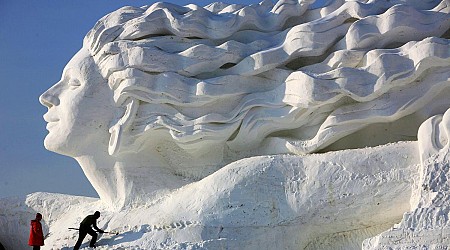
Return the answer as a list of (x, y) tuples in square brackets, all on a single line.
[(73, 84)]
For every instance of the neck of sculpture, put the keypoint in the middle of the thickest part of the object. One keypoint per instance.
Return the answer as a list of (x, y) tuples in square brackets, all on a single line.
[(130, 180)]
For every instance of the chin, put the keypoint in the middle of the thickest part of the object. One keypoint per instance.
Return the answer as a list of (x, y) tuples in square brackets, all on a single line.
[(57, 145)]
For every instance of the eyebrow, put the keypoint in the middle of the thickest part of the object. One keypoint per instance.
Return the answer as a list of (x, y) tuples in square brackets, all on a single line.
[(66, 71)]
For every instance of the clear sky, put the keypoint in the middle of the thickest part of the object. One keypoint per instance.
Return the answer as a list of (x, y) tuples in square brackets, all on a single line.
[(37, 39)]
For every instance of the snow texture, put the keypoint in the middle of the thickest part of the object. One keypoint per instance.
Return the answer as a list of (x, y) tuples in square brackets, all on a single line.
[(271, 126)]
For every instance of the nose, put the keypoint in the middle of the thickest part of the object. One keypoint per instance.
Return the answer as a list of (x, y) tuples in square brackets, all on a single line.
[(50, 97)]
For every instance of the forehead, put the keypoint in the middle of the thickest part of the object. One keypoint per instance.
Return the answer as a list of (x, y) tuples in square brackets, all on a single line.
[(81, 63)]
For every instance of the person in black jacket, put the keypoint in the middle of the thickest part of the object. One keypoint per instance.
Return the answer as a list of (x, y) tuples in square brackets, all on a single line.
[(86, 228)]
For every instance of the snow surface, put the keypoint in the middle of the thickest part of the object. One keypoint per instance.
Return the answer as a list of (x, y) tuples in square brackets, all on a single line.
[(271, 126), (312, 196)]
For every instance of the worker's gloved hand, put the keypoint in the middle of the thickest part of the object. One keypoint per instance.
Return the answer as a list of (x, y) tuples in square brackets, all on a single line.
[(101, 231)]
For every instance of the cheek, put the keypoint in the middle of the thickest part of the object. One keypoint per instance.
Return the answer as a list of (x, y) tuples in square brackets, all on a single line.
[(87, 111), (92, 116), (97, 123), (92, 100), (94, 110)]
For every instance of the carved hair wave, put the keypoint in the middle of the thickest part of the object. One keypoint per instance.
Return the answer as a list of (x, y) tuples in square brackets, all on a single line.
[(238, 75)]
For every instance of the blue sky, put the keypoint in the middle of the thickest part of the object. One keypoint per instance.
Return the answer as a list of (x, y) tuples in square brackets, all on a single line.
[(37, 39)]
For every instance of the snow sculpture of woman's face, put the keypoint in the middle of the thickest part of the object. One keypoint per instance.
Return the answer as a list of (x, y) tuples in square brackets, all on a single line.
[(80, 108)]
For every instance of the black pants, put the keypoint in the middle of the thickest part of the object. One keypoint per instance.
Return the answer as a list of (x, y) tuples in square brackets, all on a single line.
[(83, 233), (36, 247)]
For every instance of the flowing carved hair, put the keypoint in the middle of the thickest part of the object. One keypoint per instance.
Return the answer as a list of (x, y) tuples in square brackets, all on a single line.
[(293, 75)]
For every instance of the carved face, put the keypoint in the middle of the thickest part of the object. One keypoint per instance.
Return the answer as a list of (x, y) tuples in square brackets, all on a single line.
[(80, 108)]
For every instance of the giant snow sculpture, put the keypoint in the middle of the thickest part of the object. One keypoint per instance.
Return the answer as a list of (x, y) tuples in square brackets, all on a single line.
[(286, 126)]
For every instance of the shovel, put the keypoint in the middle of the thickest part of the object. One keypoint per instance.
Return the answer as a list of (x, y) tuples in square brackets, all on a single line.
[(115, 233)]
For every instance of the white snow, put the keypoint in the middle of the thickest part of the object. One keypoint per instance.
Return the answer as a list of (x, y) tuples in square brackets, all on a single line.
[(265, 202), (254, 127)]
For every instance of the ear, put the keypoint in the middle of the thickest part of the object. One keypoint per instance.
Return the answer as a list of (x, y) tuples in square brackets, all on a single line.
[(122, 126)]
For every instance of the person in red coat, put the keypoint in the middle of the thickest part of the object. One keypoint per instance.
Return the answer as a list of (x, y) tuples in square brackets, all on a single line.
[(36, 235)]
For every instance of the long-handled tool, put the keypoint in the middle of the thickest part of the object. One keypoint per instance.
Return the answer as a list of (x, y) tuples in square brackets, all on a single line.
[(115, 233)]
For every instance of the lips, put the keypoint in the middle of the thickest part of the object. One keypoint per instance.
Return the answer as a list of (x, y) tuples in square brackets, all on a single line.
[(50, 125), (50, 119)]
